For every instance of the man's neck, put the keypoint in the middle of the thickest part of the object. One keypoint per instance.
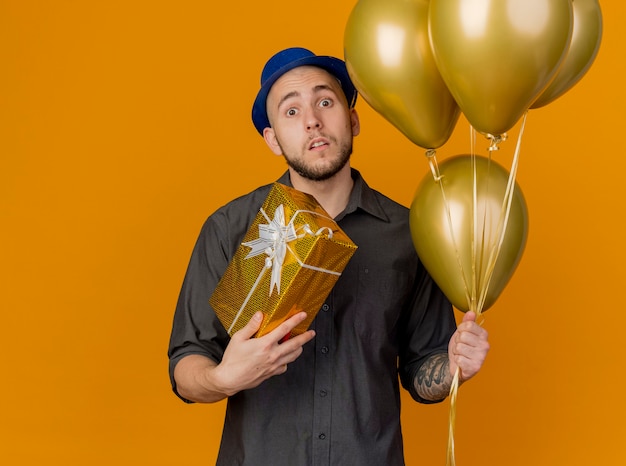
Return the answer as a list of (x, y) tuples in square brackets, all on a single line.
[(332, 194)]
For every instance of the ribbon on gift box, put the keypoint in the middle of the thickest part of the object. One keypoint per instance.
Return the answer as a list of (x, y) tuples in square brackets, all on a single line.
[(274, 238)]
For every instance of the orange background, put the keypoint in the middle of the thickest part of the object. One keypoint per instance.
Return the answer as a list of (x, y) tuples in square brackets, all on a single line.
[(123, 124)]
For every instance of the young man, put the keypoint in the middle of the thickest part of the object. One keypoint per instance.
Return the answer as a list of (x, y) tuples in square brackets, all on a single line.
[(329, 396)]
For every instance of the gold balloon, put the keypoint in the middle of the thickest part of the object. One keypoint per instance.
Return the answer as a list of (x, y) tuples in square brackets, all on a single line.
[(456, 227), (584, 46), (390, 61), (497, 56)]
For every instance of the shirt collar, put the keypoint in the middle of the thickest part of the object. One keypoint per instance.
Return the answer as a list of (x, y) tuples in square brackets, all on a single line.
[(362, 197)]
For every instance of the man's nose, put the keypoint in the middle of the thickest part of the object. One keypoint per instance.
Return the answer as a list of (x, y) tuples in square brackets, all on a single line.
[(312, 120)]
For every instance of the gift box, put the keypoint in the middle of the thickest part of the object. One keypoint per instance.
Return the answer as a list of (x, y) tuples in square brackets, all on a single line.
[(290, 258)]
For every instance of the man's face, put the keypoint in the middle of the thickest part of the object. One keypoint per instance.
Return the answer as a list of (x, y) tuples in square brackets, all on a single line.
[(312, 126)]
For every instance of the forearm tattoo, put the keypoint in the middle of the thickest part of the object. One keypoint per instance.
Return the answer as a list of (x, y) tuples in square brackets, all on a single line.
[(433, 379)]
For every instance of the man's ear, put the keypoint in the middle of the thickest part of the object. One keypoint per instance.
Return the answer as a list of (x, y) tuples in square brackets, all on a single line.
[(270, 139), (354, 120)]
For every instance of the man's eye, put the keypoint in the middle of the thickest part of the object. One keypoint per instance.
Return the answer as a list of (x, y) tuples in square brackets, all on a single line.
[(326, 103), (291, 112)]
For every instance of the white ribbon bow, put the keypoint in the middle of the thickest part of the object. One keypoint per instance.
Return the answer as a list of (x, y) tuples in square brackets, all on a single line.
[(272, 240)]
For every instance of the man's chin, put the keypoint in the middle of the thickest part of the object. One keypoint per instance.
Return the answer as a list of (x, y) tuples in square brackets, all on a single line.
[(322, 169), (319, 174)]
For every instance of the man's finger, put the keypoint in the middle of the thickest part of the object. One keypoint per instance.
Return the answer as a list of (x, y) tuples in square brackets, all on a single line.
[(248, 331), (284, 329), (469, 316)]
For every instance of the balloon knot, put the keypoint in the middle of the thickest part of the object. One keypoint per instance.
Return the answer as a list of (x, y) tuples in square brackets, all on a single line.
[(496, 139), (432, 162)]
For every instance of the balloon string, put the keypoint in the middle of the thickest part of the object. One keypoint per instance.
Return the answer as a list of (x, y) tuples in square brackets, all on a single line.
[(481, 282), (504, 216), (479, 279), (474, 216), (476, 266), (431, 155), (454, 389), (434, 168), (477, 307)]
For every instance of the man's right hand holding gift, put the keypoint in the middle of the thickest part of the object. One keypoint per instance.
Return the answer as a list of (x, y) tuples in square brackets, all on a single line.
[(247, 361)]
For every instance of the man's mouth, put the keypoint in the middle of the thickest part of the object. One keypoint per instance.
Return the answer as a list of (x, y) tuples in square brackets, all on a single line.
[(317, 144)]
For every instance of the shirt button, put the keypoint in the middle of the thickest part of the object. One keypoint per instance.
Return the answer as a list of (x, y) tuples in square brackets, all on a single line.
[(325, 307), (321, 436), (324, 349), (323, 393)]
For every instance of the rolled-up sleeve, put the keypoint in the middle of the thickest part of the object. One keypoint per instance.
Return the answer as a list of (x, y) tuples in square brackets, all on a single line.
[(196, 329), (428, 325)]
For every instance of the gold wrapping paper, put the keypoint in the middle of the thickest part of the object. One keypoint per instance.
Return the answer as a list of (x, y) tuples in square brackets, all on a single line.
[(289, 260)]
